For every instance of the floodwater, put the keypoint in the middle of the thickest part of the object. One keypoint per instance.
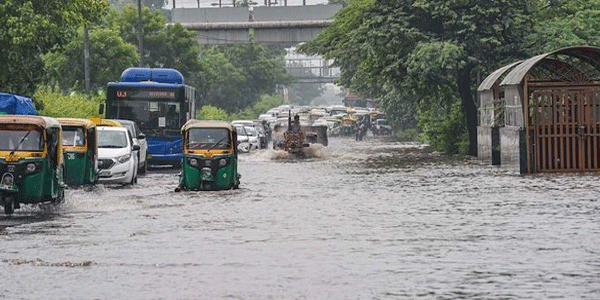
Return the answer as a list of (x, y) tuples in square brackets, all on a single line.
[(376, 219)]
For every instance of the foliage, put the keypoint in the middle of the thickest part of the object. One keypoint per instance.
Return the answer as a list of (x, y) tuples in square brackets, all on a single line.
[(74, 105), (30, 28), (165, 46), (565, 23), (209, 112), (266, 102), (234, 77), (109, 56), (383, 46)]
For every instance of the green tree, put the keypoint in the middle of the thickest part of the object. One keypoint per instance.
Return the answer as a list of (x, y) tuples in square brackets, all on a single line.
[(165, 46), (374, 41), (235, 77), (560, 24), (109, 56), (209, 112), (30, 28)]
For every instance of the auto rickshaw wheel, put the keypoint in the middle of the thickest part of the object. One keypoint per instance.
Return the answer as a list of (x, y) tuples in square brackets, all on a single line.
[(9, 204)]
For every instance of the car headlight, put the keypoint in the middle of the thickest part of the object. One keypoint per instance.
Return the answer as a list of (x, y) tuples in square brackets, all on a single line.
[(31, 167), (222, 162), (123, 158), (193, 162)]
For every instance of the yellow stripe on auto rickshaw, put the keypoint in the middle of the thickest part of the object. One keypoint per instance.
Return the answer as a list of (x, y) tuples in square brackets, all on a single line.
[(74, 148), (209, 153), (17, 155)]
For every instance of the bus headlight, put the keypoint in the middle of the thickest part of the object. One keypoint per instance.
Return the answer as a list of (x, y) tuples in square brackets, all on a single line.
[(222, 162), (31, 168)]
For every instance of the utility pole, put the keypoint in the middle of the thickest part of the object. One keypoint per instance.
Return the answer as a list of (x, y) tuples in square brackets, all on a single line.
[(140, 29), (86, 59)]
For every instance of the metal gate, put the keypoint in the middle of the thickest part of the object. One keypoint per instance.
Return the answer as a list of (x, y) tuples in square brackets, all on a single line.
[(563, 128)]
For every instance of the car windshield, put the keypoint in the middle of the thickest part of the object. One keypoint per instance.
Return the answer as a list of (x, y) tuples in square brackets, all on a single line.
[(112, 139), (73, 136), (24, 140), (251, 131), (209, 138), (240, 130)]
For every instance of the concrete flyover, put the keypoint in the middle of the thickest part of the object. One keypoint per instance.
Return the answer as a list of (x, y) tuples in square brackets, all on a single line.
[(285, 25)]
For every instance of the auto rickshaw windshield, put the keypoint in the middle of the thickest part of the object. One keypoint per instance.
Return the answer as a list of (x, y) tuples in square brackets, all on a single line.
[(21, 140), (209, 138), (73, 136)]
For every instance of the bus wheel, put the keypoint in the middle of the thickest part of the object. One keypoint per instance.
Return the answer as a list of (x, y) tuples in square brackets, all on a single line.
[(9, 204)]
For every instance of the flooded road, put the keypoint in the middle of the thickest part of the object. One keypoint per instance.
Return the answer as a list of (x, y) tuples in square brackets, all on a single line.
[(370, 220)]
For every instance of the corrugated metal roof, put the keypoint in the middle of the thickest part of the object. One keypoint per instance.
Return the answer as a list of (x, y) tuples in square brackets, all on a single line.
[(488, 82), (517, 74)]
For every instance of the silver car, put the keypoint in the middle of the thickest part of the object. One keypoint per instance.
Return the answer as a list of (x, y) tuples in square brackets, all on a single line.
[(138, 139)]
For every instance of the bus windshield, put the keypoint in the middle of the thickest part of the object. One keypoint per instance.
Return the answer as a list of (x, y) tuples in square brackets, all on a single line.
[(151, 116)]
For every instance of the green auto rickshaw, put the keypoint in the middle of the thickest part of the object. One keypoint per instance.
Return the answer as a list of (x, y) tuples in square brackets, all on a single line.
[(80, 149), (31, 161), (209, 156)]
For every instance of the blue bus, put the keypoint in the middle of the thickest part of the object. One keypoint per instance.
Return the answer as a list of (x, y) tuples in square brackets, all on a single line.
[(160, 103)]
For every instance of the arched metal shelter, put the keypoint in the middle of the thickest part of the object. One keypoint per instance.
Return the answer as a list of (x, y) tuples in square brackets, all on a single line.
[(543, 114)]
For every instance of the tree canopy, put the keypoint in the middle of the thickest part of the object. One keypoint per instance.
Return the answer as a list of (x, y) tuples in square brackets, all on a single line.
[(28, 29), (423, 52)]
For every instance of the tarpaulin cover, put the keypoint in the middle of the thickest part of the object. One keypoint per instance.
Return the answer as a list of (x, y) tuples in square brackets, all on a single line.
[(16, 105)]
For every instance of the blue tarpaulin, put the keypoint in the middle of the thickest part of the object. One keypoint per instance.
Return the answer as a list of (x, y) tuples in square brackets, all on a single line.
[(16, 105)]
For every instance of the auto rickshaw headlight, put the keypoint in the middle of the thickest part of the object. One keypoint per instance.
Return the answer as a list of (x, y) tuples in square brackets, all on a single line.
[(31, 168), (8, 179), (193, 162), (222, 162)]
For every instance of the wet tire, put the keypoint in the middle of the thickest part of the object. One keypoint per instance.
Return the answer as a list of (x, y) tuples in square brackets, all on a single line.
[(9, 205)]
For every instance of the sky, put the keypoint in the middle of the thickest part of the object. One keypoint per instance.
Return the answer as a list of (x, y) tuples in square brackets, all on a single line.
[(207, 3)]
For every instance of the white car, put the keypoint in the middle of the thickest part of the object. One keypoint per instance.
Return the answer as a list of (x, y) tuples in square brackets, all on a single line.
[(243, 144), (253, 138), (117, 156)]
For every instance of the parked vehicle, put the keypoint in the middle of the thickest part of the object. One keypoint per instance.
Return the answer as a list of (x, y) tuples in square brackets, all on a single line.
[(209, 156), (252, 137), (382, 127), (117, 157), (262, 135), (80, 149), (31, 161), (139, 138), (243, 142)]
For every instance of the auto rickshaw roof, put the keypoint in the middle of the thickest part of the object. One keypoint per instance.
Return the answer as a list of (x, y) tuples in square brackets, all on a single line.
[(76, 122), (193, 123), (106, 122), (39, 121)]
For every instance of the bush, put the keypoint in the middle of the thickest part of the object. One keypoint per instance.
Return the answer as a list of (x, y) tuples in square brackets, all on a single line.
[(208, 112), (74, 105)]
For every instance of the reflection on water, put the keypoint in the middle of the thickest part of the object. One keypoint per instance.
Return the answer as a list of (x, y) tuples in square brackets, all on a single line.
[(376, 219)]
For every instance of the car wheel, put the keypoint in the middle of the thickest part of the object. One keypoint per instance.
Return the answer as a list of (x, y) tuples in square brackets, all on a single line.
[(144, 168)]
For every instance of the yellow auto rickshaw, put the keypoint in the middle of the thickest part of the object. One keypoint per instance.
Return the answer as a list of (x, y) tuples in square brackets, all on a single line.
[(80, 148), (209, 156), (31, 161)]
